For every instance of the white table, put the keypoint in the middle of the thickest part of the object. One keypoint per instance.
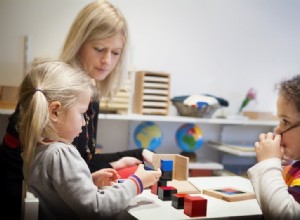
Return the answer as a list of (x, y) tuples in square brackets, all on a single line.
[(148, 206)]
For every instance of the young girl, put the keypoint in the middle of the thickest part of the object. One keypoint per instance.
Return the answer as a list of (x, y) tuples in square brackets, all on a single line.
[(277, 188), (53, 99)]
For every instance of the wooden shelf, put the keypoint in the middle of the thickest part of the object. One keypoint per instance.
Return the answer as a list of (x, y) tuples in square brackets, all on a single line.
[(6, 111), (234, 150), (138, 117), (7, 107), (203, 164)]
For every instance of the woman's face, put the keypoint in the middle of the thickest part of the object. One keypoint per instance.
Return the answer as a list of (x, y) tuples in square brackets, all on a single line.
[(289, 127), (100, 57)]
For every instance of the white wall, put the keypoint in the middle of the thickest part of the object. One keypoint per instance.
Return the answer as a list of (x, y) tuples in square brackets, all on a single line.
[(221, 47)]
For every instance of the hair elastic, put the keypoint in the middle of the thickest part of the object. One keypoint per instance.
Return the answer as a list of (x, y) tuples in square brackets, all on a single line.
[(38, 90)]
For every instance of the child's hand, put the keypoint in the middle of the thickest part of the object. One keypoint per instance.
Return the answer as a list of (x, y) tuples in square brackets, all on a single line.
[(147, 155), (125, 162), (105, 177), (268, 147), (148, 177)]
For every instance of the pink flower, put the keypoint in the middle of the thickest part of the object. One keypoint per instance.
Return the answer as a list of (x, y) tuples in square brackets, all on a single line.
[(251, 95)]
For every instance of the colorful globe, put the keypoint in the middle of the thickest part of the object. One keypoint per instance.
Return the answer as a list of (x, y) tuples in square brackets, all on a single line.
[(189, 137), (147, 135)]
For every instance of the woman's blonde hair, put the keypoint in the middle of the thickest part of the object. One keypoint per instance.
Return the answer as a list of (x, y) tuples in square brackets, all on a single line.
[(97, 21), (46, 81)]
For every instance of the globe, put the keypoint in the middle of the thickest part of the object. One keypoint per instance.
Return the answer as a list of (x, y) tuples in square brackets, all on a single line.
[(147, 135), (189, 137)]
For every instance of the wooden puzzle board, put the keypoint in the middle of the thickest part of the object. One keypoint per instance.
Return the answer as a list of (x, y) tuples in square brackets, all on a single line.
[(229, 194)]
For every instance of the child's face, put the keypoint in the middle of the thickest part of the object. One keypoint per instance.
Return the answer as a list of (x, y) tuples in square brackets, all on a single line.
[(71, 122), (289, 120)]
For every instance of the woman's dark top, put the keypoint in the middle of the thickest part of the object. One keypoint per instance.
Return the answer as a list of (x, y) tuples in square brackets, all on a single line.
[(11, 164)]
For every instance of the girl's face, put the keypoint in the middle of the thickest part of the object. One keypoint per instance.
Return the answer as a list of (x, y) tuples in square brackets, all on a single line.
[(289, 127), (100, 57), (70, 122)]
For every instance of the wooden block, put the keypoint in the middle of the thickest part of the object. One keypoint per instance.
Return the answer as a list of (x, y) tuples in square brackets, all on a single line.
[(166, 175), (182, 167), (152, 93), (165, 192), (159, 183), (183, 187), (200, 172), (229, 194), (180, 164), (195, 206), (178, 201), (154, 188), (166, 165)]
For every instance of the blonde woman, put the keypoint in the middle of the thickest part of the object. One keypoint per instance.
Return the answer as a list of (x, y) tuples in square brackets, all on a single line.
[(98, 43)]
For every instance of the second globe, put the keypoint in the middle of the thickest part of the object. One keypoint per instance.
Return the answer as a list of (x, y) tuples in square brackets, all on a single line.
[(189, 138)]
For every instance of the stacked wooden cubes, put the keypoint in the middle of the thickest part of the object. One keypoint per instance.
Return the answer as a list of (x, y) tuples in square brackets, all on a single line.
[(152, 93)]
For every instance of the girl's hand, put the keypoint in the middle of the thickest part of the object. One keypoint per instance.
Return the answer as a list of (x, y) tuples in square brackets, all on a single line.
[(268, 147), (147, 155), (148, 177), (125, 162), (105, 177)]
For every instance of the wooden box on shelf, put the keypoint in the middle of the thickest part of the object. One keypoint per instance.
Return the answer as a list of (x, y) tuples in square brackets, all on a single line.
[(120, 103), (8, 97), (152, 93)]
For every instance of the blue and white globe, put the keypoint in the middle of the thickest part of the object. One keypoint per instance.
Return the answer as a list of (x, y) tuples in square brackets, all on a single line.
[(148, 135)]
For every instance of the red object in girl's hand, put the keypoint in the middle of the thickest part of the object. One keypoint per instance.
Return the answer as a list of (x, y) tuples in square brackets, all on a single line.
[(126, 172)]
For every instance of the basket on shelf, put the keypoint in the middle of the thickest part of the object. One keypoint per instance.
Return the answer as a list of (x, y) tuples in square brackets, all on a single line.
[(185, 110)]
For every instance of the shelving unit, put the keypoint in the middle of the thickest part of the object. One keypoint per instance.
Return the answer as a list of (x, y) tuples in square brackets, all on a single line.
[(220, 121), (123, 126), (213, 129), (137, 117)]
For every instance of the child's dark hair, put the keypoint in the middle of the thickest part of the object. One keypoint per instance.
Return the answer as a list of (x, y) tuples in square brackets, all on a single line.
[(290, 89)]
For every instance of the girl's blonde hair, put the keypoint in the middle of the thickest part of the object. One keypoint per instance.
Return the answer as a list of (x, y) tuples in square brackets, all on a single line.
[(46, 81), (97, 21)]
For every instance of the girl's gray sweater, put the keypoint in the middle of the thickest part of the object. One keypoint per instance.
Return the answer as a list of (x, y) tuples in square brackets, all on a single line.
[(63, 184)]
